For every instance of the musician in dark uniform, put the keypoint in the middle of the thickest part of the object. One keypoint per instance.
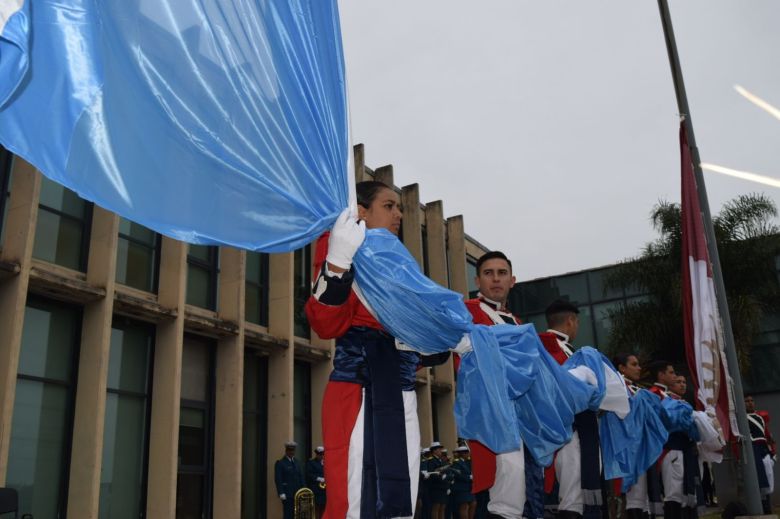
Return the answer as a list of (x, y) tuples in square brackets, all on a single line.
[(763, 447), (438, 481), (288, 477), (464, 500), (315, 479)]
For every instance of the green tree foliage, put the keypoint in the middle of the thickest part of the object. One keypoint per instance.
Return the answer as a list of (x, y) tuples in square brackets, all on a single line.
[(748, 244)]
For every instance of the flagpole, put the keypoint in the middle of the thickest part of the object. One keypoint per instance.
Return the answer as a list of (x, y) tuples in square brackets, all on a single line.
[(749, 475)]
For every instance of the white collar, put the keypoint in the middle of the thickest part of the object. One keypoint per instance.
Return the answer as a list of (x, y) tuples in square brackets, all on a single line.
[(665, 388), (560, 335), (499, 306)]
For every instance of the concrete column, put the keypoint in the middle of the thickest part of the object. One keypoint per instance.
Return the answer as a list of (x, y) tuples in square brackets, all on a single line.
[(412, 221), (16, 248), (90, 408), (280, 369), (229, 413), (384, 174), (424, 408), (456, 255), (360, 162), (166, 384), (443, 373), (320, 371)]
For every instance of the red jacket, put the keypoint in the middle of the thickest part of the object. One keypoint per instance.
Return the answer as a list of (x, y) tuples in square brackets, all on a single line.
[(330, 322), (483, 460), (550, 342)]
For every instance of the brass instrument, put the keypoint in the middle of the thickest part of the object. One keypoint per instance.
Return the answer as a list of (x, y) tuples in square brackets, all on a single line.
[(321, 484), (304, 504)]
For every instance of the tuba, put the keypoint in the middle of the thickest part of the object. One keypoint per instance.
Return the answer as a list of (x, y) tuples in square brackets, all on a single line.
[(304, 504)]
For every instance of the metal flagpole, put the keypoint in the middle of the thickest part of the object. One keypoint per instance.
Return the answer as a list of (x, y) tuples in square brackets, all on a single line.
[(750, 477)]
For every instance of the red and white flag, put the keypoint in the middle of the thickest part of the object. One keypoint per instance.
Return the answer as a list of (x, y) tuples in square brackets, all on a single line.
[(704, 344)]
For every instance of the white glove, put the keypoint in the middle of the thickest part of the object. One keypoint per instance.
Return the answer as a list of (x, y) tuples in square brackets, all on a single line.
[(464, 346), (426, 474), (448, 491), (443, 477), (471, 477), (320, 480), (283, 497), (345, 238)]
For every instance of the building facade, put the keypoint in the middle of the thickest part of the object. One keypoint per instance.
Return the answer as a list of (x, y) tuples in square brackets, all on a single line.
[(144, 377)]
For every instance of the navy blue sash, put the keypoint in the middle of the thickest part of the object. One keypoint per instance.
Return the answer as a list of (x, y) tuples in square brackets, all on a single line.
[(386, 483), (587, 427)]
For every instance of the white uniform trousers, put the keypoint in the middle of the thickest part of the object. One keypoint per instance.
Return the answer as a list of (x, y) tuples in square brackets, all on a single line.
[(507, 495), (636, 497), (769, 466), (672, 472), (569, 475)]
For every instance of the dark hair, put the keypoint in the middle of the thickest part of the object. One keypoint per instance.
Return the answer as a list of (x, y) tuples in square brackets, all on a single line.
[(621, 359), (656, 367), (494, 254), (367, 191), (557, 312)]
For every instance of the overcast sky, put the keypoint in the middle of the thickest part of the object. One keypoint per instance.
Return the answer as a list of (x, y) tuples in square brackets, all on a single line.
[(551, 125)]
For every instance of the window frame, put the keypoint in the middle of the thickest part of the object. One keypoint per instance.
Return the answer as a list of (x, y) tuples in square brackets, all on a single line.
[(157, 248), (86, 223), (6, 165), (45, 304), (211, 266), (262, 288)]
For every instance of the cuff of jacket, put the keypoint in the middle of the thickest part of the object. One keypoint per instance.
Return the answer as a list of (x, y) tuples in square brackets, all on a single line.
[(333, 290)]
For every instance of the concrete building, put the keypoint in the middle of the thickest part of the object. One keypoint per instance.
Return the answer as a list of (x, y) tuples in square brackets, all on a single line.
[(144, 377)]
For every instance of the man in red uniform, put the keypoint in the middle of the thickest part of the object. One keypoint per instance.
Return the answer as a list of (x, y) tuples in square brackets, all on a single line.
[(763, 450), (514, 479), (577, 464)]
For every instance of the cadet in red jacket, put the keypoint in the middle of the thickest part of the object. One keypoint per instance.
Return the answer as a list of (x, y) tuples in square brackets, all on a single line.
[(514, 479), (373, 458)]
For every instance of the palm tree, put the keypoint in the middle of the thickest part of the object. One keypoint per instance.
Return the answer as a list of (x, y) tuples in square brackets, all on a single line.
[(748, 243)]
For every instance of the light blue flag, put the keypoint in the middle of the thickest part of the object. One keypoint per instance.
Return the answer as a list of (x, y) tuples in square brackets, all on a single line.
[(211, 121)]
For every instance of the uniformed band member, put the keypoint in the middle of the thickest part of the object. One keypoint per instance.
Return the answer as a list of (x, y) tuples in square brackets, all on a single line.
[(373, 464), (514, 479), (679, 463), (464, 501), (763, 447), (315, 479), (438, 482), (288, 477), (577, 464), (637, 503)]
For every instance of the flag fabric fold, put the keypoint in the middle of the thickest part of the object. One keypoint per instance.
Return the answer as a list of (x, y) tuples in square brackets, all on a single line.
[(210, 122), (704, 343)]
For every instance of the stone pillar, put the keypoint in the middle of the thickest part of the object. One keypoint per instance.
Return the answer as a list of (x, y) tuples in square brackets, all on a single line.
[(229, 398), (443, 374), (90, 408), (280, 369), (17, 249), (384, 174), (166, 384)]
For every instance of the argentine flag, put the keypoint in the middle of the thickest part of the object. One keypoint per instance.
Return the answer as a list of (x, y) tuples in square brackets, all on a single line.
[(211, 121)]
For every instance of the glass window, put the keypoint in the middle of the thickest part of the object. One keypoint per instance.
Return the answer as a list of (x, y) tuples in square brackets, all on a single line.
[(193, 490), (302, 409), (537, 295), (598, 288), (602, 321), (256, 297), (62, 229), (435, 416), (302, 288), (126, 432), (539, 321), (471, 274), (254, 452), (43, 408), (586, 336), (138, 256), (202, 274), (6, 162)]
